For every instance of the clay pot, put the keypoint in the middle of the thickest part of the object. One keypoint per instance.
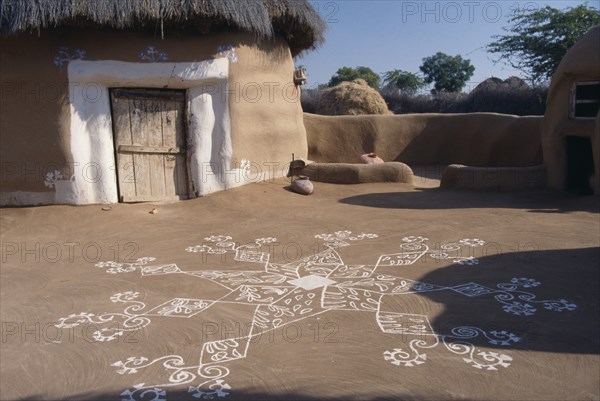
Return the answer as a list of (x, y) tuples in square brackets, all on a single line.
[(302, 185), (371, 158)]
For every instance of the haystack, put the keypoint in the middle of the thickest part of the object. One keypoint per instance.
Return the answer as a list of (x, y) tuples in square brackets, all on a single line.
[(509, 96), (353, 98), (496, 84)]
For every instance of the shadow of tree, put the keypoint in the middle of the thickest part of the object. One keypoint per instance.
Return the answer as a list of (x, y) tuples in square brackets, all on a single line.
[(571, 275)]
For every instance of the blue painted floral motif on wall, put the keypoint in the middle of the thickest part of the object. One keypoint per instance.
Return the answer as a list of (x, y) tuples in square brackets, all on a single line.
[(227, 51), (64, 56), (153, 55)]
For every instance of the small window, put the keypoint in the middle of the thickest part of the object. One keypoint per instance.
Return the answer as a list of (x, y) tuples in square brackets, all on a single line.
[(585, 99)]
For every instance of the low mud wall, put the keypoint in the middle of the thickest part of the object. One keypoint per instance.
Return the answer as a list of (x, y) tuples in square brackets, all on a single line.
[(474, 139)]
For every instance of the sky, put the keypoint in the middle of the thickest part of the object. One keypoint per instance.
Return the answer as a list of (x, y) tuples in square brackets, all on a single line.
[(397, 34)]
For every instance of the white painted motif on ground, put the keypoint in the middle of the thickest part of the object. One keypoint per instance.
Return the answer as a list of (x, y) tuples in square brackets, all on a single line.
[(284, 293)]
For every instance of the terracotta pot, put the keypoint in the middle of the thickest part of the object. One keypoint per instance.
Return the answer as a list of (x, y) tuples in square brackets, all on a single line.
[(302, 185), (371, 158)]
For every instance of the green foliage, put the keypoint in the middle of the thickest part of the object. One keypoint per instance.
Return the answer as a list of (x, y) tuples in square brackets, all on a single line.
[(405, 81), (539, 39), (449, 74), (350, 74)]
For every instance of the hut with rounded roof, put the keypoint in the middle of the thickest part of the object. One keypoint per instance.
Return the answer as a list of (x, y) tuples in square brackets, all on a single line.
[(148, 100), (571, 125)]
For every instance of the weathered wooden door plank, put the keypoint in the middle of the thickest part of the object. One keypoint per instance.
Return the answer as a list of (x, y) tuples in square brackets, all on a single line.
[(122, 129), (151, 145), (150, 149)]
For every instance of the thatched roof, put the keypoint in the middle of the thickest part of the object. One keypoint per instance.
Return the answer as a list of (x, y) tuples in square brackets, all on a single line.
[(296, 20)]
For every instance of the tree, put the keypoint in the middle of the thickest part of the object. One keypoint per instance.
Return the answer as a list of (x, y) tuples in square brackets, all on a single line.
[(350, 74), (539, 39), (403, 80), (450, 74)]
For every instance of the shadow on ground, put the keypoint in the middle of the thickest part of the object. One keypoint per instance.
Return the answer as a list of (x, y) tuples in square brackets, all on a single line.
[(436, 198), (540, 319)]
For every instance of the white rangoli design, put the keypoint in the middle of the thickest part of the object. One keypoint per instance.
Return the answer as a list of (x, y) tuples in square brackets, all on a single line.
[(284, 293)]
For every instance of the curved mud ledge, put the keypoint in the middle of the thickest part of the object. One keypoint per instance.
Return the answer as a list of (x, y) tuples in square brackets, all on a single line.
[(466, 177), (348, 173)]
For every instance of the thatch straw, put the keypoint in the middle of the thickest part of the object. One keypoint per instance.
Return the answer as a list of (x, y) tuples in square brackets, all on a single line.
[(296, 20), (351, 98)]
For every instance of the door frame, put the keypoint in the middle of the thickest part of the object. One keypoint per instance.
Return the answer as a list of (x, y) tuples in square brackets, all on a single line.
[(185, 154), (208, 124)]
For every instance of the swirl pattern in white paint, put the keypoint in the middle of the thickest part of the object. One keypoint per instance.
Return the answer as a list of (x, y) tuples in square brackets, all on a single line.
[(281, 294)]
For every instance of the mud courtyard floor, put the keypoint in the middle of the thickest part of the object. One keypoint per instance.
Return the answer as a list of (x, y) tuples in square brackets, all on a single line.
[(373, 291)]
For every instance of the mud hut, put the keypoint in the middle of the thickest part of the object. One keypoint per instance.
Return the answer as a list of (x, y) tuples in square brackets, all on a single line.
[(571, 125), (128, 100)]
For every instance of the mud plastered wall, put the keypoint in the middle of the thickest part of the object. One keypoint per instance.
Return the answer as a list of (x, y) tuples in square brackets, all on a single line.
[(36, 127), (580, 64), (476, 139)]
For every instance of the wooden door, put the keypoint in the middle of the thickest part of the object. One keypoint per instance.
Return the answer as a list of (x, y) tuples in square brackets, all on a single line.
[(150, 145)]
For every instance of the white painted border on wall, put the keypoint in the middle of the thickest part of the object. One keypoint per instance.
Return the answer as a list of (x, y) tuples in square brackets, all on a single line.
[(92, 145)]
